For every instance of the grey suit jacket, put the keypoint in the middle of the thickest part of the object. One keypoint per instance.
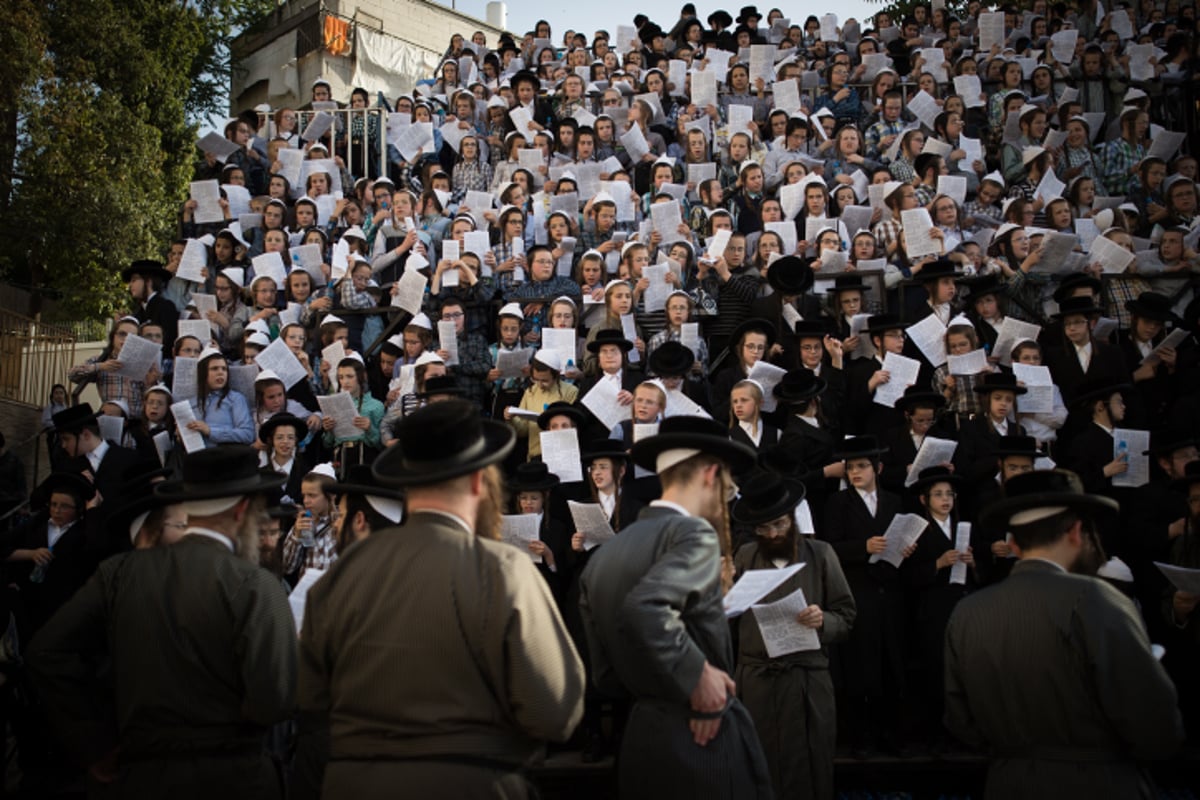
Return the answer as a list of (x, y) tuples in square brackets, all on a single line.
[(1052, 673)]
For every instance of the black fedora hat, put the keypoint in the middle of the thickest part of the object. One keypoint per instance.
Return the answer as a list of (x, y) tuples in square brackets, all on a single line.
[(799, 386), (999, 382), (720, 18), (1078, 305), (881, 323), (692, 433), (1040, 494), (441, 385), (848, 281), (916, 396), (982, 286), (1074, 281), (942, 268), (283, 418), (1191, 474), (442, 441), (766, 496), (609, 336), (1164, 442), (215, 472), (137, 484), (525, 76), (672, 360), (604, 448), (810, 329), (1017, 446), (1100, 389), (67, 482), (858, 447), (747, 12), (1152, 306), (790, 275), (560, 408), (147, 268), (754, 325), (931, 475), (361, 480), (74, 418), (533, 476)]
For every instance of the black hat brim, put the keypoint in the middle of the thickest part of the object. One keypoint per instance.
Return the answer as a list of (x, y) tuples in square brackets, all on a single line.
[(543, 485), (1103, 393), (391, 469), (999, 513), (575, 413), (595, 345), (737, 456), (182, 491), (920, 398), (267, 429), (62, 482), (364, 489), (746, 513), (984, 389), (953, 479), (1152, 314), (784, 395)]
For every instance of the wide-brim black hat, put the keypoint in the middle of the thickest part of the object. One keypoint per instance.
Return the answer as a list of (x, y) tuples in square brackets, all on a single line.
[(858, 447), (754, 325), (1152, 306), (985, 285), (942, 268), (881, 323), (747, 12), (525, 76), (810, 329), (443, 441), (931, 475), (267, 430), (672, 359), (560, 408), (224, 471), (146, 268), (1017, 446), (73, 418), (1099, 389), (999, 382), (441, 385), (799, 386), (1078, 305), (766, 496), (533, 476), (360, 480), (692, 433), (1050, 490), (1073, 281), (916, 396), (138, 482), (609, 336), (846, 282), (1191, 474), (67, 482), (720, 18), (604, 448), (790, 275)]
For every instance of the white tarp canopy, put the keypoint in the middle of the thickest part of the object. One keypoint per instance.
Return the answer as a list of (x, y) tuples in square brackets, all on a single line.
[(383, 63)]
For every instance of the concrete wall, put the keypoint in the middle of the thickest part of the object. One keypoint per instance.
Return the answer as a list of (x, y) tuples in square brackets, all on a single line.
[(422, 23)]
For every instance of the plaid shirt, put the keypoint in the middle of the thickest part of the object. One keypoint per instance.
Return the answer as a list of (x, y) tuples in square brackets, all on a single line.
[(886, 232), (474, 363), (1117, 158), (1119, 290), (110, 385), (320, 556), (963, 398), (902, 170), (877, 132), (1077, 157)]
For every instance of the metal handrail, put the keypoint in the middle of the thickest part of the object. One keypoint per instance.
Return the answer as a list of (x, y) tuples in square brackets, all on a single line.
[(33, 357)]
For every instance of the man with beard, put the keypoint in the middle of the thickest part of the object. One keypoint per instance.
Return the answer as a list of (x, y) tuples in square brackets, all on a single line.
[(1051, 670), (202, 645), (656, 629), (364, 507), (790, 696)]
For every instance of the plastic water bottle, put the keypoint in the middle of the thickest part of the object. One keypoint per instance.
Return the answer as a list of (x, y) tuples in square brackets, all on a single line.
[(1122, 450), (38, 574), (306, 536)]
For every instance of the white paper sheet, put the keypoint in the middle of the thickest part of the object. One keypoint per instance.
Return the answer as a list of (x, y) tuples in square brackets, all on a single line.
[(689, 336), (1039, 395), (1050, 186), (962, 540), (953, 186), (416, 139), (138, 355), (207, 195), (781, 632), (270, 265), (192, 440), (341, 409), (991, 30), (970, 89), (162, 446), (629, 329), (1113, 258), (972, 363), (1172, 339), (1132, 443), (925, 108), (667, 218), (754, 585), (1182, 578), (903, 373), (298, 599), (929, 335), (193, 262), (592, 522), (183, 378), (1011, 333), (448, 341), (560, 452), (917, 242), (768, 376), (519, 530), (279, 359), (601, 400), (902, 532), (933, 452)]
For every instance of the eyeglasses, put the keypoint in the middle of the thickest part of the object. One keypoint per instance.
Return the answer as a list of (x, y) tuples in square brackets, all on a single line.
[(454, 315), (755, 348)]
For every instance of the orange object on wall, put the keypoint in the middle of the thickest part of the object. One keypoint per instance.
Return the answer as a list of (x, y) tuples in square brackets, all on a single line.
[(337, 36)]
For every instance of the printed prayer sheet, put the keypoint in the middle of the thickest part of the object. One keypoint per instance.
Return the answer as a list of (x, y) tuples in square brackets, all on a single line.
[(791, 199), (903, 373), (207, 195), (560, 452), (1113, 258), (309, 258), (829, 31), (991, 30), (519, 530), (917, 225), (523, 413), (162, 446), (754, 585), (782, 633), (933, 452), (1062, 45), (238, 198), (341, 409), (762, 62), (635, 143), (969, 88), (768, 376), (1050, 186), (689, 336), (680, 405), (415, 140), (1056, 251), (270, 265), (112, 429), (283, 362), (192, 440), (1165, 144), (629, 329), (448, 341), (1039, 395), (1012, 332), (858, 327), (183, 386), (667, 219), (717, 244), (925, 108), (787, 95), (657, 292), (1103, 329), (953, 186), (972, 363), (601, 400), (1133, 444), (833, 262), (1182, 578), (299, 596), (903, 531), (204, 303), (938, 147), (138, 355), (962, 540), (791, 316), (562, 340), (241, 380), (644, 430), (512, 362), (410, 291), (318, 126), (331, 356), (929, 335), (1171, 340), (218, 145), (592, 522), (704, 87)]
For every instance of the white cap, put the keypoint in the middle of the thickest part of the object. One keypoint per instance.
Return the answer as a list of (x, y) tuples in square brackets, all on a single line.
[(325, 469), (995, 177), (1030, 153), (512, 310), (421, 320), (259, 338), (890, 188), (549, 358), (236, 276), (615, 282), (332, 319), (960, 320), (159, 387), (354, 232), (119, 403), (208, 352), (267, 375), (260, 326), (429, 357)]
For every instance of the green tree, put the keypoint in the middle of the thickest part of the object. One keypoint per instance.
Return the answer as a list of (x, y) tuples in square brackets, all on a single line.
[(97, 150)]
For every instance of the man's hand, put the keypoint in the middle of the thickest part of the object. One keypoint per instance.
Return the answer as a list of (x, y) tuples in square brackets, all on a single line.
[(709, 697)]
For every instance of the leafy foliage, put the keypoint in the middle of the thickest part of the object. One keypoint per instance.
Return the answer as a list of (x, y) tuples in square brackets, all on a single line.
[(96, 157)]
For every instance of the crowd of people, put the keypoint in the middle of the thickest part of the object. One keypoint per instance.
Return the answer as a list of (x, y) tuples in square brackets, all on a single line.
[(662, 310)]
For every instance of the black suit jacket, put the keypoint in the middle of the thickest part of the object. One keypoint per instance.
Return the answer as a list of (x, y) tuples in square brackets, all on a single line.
[(863, 414), (161, 312), (975, 458), (813, 447), (1106, 362)]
